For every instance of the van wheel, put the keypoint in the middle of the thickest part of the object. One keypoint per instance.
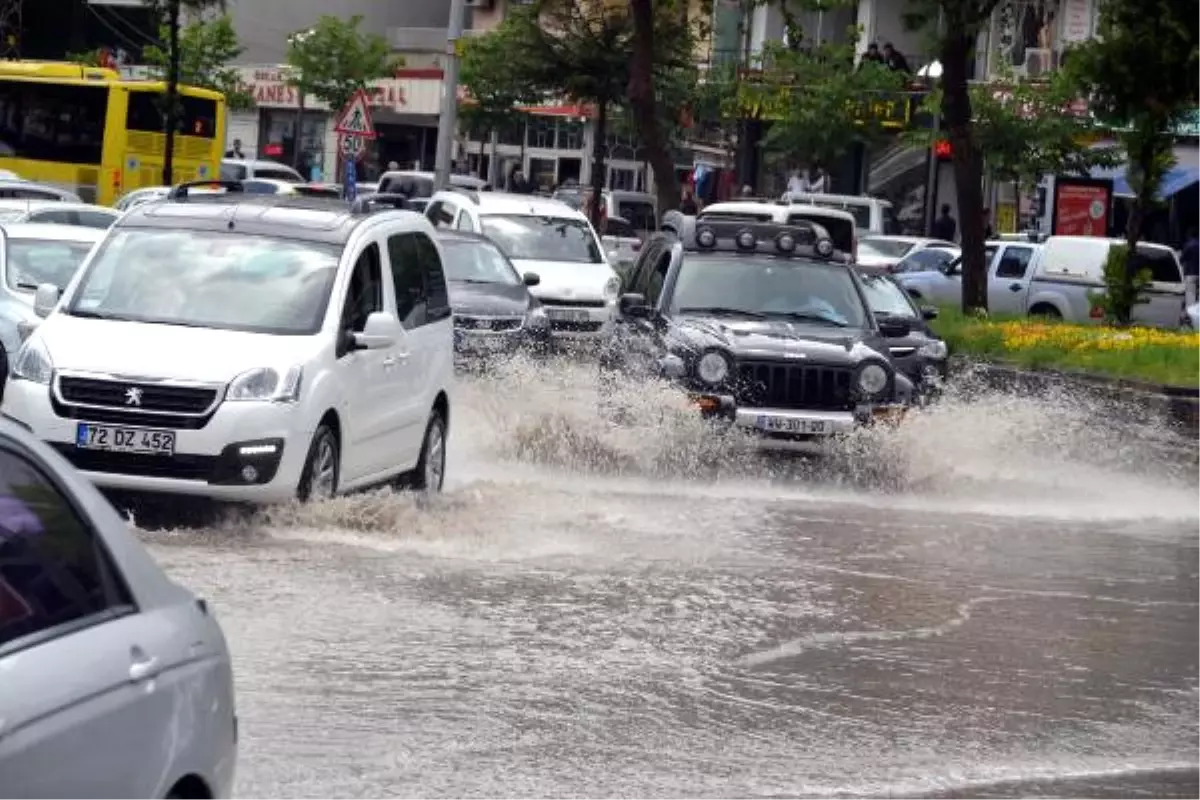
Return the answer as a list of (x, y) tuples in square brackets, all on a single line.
[(430, 472), (1045, 312), (322, 468)]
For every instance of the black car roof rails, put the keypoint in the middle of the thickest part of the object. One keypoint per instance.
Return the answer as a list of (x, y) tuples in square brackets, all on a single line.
[(368, 204), (471, 194), (181, 192)]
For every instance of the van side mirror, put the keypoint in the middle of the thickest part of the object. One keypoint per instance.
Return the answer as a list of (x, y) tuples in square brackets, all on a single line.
[(634, 306), (45, 299), (531, 278)]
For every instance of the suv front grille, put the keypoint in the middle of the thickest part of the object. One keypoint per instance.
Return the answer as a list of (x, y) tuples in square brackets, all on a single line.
[(777, 384), (484, 324), (561, 303)]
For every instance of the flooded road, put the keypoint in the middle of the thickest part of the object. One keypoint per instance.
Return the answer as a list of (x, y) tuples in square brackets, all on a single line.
[(592, 611)]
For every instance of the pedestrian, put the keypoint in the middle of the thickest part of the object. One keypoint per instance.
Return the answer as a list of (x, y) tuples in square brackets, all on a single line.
[(944, 227), (894, 59), (236, 150), (872, 56), (818, 181), (1190, 256), (688, 204), (988, 231)]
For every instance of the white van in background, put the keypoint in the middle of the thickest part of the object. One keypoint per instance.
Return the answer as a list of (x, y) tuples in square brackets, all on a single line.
[(871, 215), (1067, 269)]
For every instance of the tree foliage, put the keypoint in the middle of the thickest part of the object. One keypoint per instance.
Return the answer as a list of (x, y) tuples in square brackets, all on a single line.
[(1029, 128), (1141, 75), (207, 49), (496, 90), (333, 60)]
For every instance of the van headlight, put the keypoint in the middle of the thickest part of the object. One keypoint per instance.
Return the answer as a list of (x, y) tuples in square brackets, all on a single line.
[(33, 363), (713, 367), (265, 383), (871, 380), (935, 350), (612, 289)]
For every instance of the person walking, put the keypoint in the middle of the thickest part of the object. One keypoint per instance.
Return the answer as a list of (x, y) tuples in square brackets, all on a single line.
[(944, 227), (688, 204), (1190, 256)]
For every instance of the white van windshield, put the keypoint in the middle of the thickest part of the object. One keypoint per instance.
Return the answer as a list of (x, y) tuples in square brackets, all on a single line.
[(209, 279)]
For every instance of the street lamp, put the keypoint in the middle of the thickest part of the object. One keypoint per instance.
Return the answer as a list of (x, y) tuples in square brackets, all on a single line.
[(931, 73)]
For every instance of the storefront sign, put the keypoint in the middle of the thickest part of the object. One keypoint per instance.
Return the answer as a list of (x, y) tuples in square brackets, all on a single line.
[(402, 95), (1077, 18), (1082, 207)]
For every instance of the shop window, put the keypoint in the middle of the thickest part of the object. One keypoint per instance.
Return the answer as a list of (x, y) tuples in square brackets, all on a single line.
[(541, 132), (277, 140)]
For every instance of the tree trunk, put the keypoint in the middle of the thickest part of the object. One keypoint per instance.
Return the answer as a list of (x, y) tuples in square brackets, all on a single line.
[(599, 165), (172, 110), (968, 168), (1143, 161), (645, 107)]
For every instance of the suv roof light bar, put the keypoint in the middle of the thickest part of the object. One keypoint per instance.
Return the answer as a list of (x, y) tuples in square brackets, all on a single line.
[(797, 238)]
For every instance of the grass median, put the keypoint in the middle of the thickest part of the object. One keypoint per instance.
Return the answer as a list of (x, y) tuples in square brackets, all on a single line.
[(1155, 356)]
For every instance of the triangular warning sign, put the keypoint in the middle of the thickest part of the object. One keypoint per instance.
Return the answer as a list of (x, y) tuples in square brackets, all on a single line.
[(355, 119)]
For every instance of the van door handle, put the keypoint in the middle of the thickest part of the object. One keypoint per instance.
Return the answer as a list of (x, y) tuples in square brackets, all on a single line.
[(143, 666), (1014, 287)]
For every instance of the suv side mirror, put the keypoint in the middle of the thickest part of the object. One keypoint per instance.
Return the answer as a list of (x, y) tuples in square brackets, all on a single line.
[(929, 312), (45, 299), (894, 327), (634, 305), (531, 278)]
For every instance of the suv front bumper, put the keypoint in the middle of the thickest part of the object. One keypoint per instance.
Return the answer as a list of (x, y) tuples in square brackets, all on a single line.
[(786, 427)]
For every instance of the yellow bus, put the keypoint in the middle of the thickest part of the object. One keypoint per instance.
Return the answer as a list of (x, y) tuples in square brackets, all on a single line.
[(88, 130)]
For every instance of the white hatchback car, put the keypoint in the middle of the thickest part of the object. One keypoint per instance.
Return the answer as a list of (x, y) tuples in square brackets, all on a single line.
[(114, 680), (55, 212), (247, 348), (578, 286)]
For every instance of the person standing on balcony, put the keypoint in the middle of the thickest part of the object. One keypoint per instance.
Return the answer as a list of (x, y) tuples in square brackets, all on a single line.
[(894, 59)]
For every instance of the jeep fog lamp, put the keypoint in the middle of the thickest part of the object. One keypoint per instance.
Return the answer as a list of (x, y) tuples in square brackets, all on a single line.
[(785, 243), (746, 240), (825, 247), (713, 368), (872, 380), (706, 238)]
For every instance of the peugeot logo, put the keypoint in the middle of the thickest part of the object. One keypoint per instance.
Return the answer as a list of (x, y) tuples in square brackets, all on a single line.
[(133, 396)]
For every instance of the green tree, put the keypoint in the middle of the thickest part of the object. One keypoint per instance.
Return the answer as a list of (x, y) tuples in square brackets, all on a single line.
[(496, 90), (207, 49), (333, 60), (955, 26), (1140, 74)]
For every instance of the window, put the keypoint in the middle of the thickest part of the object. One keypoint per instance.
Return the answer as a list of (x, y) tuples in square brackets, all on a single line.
[(926, 260), (541, 132), (464, 222), (22, 193), (96, 219), (53, 217), (885, 297), (637, 272), (441, 214), (54, 571), (408, 278), (278, 174), (640, 215), (233, 172), (1161, 263), (364, 295), (654, 285), (198, 116), (841, 231), (1013, 262), (32, 262), (478, 261), (543, 238), (259, 187), (862, 214), (619, 227), (437, 302), (51, 122), (570, 135)]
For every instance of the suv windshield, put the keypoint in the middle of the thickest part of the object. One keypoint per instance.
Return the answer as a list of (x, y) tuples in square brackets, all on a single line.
[(478, 262), (32, 262), (209, 279), (885, 297), (768, 287), (542, 238)]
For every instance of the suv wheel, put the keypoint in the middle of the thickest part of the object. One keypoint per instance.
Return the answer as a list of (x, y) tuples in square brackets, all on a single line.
[(430, 473), (319, 480)]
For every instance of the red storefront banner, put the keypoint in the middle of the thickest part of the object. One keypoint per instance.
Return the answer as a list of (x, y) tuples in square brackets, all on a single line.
[(1082, 207)]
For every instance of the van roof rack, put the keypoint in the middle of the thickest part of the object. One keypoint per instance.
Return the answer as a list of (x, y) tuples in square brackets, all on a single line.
[(369, 204)]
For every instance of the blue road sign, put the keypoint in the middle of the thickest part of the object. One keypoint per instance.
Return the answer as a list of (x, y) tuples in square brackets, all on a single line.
[(350, 181)]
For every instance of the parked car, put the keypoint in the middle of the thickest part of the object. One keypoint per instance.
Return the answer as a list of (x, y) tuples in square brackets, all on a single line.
[(30, 256), (638, 209), (302, 351), (415, 183), (930, 259), (838, 225), (494, 312), (1008, 279), (28, 190), (577, 285), (621, 243), (872, 215), (922, 355), (887, 252), (116, 681), (240, 169), (57, 213)]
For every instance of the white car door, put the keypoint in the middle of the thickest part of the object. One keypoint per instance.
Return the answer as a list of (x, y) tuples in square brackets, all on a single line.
[(1164, 306), (82, 710), (409, 375), (1008, 279)]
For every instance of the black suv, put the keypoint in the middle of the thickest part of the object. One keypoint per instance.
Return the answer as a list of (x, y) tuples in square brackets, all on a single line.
[(764, 328)]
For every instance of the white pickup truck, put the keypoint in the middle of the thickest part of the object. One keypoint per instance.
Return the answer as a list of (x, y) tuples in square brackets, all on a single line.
[(1008, 279)]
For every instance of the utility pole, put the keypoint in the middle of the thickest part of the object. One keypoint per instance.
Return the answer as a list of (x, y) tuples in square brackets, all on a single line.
[(448, 124), (172, 99)]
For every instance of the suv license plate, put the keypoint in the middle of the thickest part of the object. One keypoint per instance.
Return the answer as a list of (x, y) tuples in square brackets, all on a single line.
[(115, 439), (789, 425), (567, 315)]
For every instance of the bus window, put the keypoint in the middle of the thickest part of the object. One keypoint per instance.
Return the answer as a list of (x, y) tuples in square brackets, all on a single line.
[(199, 117), (52, 122)]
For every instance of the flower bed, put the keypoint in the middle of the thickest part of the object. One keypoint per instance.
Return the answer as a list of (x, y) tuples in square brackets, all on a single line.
[(1171, 358)]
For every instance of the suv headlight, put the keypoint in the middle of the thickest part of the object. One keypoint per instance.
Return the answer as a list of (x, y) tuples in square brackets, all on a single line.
[(713, 367), (266, 384), (935, 350), (612, 289), (33, 363), (871, 381)]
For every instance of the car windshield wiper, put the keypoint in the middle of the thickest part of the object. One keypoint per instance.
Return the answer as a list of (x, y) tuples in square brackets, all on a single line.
[(722, 311), (801, 316), (30, 286), (78, 312), (473, 280)]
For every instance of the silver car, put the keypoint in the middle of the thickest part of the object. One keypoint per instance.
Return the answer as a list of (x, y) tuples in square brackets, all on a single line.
[(58, 213), (114, 681), (30, 255)]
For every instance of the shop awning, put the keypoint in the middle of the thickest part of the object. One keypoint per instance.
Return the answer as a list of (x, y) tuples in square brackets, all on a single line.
[(1185, 173)]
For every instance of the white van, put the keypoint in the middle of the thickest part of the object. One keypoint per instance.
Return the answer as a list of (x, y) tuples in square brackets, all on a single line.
[(1067, 269), (871, 215)]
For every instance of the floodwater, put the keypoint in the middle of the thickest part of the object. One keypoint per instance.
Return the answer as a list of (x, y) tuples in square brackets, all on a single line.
[(999, 599)]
